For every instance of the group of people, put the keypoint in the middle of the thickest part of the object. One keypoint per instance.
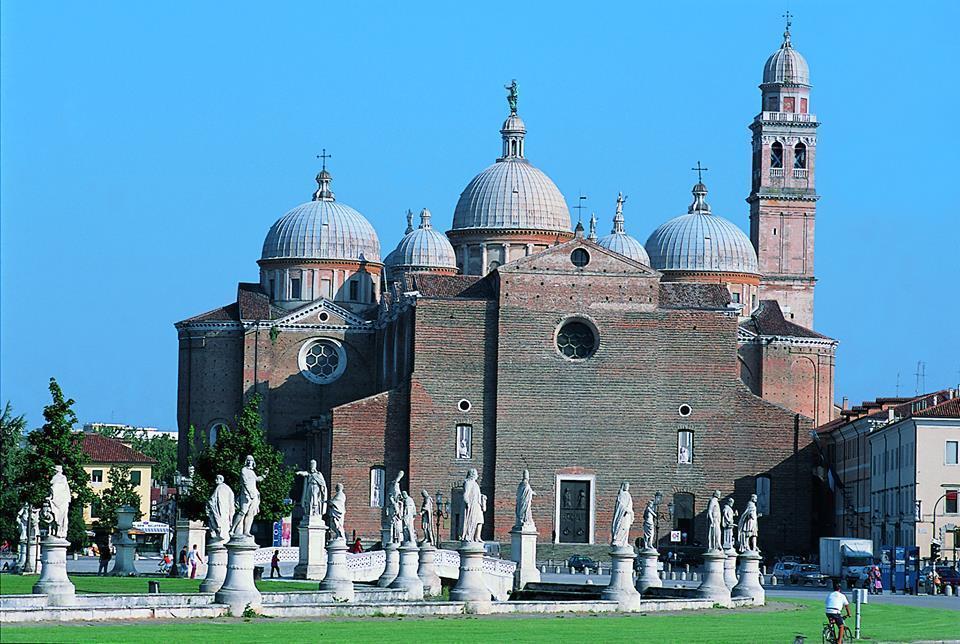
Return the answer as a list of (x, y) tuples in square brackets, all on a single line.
[(187, 560)]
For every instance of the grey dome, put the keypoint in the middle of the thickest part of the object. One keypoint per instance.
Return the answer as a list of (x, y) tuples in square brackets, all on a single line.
[(424, 247), (618, 240), (786, 66), (322, 229), (511, 193), (700, 241)]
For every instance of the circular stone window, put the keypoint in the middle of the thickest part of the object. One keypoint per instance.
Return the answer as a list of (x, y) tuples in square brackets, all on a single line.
[(464, 405), (576, 340), (580, 257), (323, 316), (322, 361), (685, 410)]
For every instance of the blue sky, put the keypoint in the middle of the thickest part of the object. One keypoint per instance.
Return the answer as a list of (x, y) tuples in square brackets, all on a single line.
[(147, 148)]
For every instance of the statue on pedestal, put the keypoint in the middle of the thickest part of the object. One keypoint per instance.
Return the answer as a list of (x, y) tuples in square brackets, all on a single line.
[(525, 496), (649, 525), (395, 510), (748, 528), (409, 513), (714, 541), (729, 517), (336, 510), (249, 502), (56, 508), (474, 505), (622, 517), (426, 518), (314, 498), (220, 509)]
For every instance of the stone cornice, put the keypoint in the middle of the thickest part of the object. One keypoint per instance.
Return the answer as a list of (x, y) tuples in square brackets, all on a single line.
[(757, 196)]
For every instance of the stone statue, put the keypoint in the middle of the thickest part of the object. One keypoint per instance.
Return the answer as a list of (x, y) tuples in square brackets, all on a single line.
[(314, 498), (474, 505), (57, 506), (336, 509), (248, 504), (525, 496), (714, 542), (23, 521), (622, 517), (620, 201), (426, 518), (649, 525), (512, 94), (728, 522), (748, 527), (394, 509), (220, 509), (409, 514)]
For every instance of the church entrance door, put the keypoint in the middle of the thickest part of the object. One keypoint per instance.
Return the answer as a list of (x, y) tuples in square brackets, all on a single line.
[(574, 512)]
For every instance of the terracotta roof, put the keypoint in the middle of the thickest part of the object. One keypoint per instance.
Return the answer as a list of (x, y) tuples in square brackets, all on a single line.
[(768, 320), (254, 304), (100, 449), (689, 295), (936, 404), (435, 285), (946, 409)]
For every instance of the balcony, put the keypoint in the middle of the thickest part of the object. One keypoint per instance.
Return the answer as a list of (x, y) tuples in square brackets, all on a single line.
[(788, 117), (776, 172), (800, 173)]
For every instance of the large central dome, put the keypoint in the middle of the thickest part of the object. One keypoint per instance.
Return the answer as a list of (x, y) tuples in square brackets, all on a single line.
[(512, 194)]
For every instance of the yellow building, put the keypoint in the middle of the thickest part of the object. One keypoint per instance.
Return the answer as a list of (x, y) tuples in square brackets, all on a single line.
[(103, 454)]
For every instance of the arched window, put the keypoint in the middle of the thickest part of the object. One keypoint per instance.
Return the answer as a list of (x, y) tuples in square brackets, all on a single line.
[(213, 432), (776, 155), (800, 156)]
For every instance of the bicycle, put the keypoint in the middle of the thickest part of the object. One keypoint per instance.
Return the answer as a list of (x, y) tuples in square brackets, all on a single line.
[(829, 636)]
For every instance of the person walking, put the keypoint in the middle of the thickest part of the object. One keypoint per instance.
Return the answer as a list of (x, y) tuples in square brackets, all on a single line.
[(194, 559), (182, 562), (877, 580), (275, 564), (104, 560)]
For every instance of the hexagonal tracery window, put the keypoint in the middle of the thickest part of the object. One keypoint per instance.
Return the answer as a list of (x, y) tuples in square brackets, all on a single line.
[(322, 361), (576, 340)]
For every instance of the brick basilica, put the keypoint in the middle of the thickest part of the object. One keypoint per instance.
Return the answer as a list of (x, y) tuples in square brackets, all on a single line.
[(513, 341)]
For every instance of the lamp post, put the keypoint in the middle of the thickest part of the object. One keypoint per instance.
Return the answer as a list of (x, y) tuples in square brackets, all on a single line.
[(657, 500), (439, 513)]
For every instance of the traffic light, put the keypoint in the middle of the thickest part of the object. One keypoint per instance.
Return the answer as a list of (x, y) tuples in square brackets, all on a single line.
[(934, 551)]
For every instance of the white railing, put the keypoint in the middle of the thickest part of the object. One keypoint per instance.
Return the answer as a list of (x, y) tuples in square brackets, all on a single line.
[(776, 172), (788, 117), (264, 555), (499, 567), (800, 173)]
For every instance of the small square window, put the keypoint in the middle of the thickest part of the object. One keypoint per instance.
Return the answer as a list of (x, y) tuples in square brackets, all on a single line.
[(685, 447), (135, 477), (464, 441), (96, 476), (735, 297), (951, 455)]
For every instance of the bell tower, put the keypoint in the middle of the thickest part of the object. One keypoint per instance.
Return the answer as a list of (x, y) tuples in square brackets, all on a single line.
[(783, 197)]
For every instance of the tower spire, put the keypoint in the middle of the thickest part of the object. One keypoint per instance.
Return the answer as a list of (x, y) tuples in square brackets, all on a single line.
[(618, 215), (425, 219), (409, 222), (593, 227), (786, 32)]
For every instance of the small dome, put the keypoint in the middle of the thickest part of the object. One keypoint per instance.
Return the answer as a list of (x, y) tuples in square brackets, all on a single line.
[(423, 248), (786, 66), (700, 241), (618, 240), (513, 124), (322, 229)]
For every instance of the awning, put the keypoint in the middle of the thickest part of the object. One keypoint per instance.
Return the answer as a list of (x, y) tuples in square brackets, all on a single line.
[(150, 527), (856, 551)]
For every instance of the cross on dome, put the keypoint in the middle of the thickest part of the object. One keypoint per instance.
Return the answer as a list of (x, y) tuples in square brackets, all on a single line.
[(323, 192), (786, 33)]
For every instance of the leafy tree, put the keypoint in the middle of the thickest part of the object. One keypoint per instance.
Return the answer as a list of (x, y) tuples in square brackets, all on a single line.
[(226, 457), (55, 443), (11, 461), (121, 492), (164, 450)]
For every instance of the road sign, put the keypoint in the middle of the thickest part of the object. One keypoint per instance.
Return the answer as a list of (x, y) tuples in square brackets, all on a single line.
[(674, 536)]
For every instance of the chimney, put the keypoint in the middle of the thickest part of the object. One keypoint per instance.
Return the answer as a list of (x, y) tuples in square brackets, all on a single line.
[(845, 404), (891, 414)]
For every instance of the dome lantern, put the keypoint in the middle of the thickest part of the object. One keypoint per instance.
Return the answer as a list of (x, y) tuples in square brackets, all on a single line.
[(619, 241)]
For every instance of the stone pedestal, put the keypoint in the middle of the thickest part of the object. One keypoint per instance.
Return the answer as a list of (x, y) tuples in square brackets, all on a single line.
[(392, 568), (313, 549), (523, 550), (649, 577), (713, 586), (238, 589), (730, 568), (407, 578), (621, 588), (190, 533), (53, 581), (427, 571), (471, 587), (338, 578), (749, 583), (216, 566), (125, 562)]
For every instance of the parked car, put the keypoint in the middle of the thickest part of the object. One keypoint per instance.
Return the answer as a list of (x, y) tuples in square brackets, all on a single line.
[(948, 575), (808, 575), (783, 569), (581, 563)]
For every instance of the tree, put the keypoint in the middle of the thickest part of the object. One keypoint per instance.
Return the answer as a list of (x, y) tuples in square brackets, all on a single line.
[(55, 443), (226, 457), (122, 491), (164, 450), (11, 461)]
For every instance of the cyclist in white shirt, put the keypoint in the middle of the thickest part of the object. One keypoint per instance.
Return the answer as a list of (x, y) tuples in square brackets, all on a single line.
[(837, 602)]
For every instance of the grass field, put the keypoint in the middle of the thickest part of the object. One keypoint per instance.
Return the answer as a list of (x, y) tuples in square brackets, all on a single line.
[(780, 621), (23, 584)]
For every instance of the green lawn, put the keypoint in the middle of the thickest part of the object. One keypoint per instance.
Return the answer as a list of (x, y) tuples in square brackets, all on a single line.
[(779, 622), (23, 584)]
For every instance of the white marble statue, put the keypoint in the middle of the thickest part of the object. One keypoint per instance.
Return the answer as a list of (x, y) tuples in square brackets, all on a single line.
[(748, 527), (729, 521), (23, 522), (649, 525), (220, 508), (314, 498), (715, 516), (525, 496), (394, 509), (57, 506), (622, 517), (248, 503), (336, 509), (474, 505), (426, 518), (409, 516)]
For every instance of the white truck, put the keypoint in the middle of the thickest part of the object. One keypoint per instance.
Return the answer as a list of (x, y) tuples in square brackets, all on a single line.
[(846, 559)]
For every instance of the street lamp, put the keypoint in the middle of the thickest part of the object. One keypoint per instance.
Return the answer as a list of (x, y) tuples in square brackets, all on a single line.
[(657, 500), (439, 513)]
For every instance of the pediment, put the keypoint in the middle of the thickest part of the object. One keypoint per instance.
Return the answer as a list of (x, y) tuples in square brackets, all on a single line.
[(311, 315), (559, 259)]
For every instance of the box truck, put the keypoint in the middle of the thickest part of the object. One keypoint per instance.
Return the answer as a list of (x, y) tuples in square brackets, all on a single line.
[(846, 559)]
